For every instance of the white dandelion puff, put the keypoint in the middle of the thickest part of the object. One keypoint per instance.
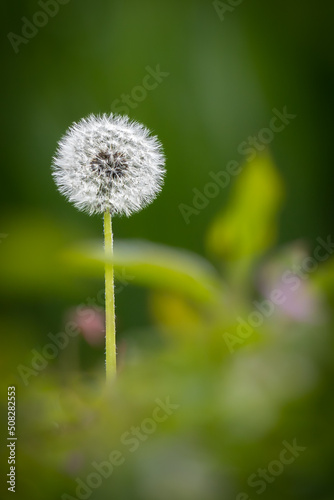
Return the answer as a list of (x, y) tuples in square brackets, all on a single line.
[(109, 163)]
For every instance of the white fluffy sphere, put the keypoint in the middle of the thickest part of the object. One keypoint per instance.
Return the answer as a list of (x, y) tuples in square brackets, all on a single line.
[(109, 163)]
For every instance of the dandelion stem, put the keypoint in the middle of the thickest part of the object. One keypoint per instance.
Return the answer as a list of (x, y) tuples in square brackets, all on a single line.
[(109, 300)]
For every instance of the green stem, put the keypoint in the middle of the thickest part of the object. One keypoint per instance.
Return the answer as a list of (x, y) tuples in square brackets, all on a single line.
[(109, 300)]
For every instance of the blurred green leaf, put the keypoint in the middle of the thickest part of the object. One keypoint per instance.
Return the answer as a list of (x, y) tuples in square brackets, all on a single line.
[(153, 265), (29, 263), (248, 226), (324, 278)]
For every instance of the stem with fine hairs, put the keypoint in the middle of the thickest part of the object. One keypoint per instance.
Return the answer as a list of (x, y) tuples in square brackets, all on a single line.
[(109, 300)]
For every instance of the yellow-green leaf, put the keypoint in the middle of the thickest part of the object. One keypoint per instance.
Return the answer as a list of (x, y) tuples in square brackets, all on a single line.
[(248, 226)]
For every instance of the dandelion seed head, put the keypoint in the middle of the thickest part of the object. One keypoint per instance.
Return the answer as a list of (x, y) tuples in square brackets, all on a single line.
[(109, 163)]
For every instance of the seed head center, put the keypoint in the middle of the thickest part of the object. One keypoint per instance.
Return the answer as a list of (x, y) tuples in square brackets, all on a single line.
[(110, 165)]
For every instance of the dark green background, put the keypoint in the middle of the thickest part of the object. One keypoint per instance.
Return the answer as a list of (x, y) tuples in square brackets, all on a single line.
[(225, 77)]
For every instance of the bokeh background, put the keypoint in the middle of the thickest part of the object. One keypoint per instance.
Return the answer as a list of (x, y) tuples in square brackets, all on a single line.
[(225, 67)]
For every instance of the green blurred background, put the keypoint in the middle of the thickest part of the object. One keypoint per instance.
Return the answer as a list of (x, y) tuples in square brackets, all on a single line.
[(225, 70)]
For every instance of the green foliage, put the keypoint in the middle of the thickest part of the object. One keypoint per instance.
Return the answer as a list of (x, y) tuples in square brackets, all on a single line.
[(237, 393), (247, 228), (156, 266)]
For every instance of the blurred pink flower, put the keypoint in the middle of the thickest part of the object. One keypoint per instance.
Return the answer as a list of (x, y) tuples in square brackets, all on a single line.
[(303, 300), (91, 322)]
